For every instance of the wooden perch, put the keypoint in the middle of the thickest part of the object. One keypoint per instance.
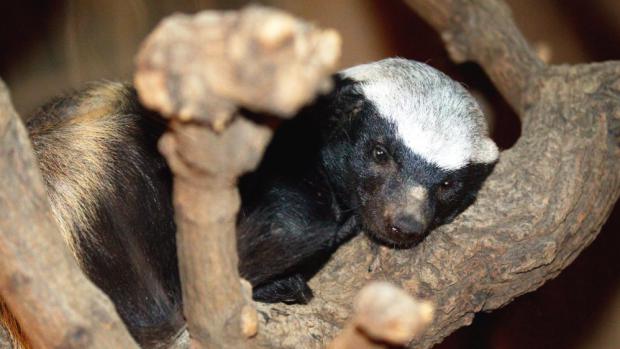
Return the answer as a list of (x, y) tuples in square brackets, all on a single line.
[(39, 279), (197, 70), (385, 317)]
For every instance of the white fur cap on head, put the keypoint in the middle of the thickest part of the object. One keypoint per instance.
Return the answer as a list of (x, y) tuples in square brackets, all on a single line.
[(434, 115)]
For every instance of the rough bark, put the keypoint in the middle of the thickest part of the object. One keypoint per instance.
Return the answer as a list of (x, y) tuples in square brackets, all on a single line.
[(39, 279), (197, 70), (545, 202)]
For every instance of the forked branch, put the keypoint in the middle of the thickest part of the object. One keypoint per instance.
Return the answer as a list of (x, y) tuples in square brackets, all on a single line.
[(198, 70)]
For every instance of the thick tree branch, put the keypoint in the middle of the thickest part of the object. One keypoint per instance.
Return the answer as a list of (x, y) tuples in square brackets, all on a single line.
[(197, 70), (39, 280)]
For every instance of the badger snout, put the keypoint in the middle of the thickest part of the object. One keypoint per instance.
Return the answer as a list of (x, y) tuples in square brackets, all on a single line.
[(406, 225), (407, 219), (405, 229)]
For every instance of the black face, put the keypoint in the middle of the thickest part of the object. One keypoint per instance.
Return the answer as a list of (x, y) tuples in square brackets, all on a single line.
[(398, 196)]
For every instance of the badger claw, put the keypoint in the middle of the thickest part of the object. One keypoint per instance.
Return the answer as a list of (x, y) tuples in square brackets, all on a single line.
[(290, 290)]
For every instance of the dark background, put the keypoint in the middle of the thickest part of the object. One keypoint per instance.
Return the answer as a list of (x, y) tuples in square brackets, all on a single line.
[(50, 47)]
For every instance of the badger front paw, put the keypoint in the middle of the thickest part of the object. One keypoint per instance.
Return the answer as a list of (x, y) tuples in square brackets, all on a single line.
[(290, 290)]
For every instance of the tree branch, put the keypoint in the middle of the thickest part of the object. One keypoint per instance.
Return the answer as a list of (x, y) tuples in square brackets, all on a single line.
[(39, 280), (197, 70), (484, 32)]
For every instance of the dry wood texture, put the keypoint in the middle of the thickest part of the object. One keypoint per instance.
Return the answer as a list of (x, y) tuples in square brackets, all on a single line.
[(39, 279), (197, 70)]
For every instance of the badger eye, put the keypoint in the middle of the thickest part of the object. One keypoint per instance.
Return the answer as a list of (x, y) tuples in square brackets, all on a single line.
[(447, 184), (379, 154)]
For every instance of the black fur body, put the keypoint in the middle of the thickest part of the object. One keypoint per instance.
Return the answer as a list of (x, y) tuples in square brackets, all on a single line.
[(339, 168)]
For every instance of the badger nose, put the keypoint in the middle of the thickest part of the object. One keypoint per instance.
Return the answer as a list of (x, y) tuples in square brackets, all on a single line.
[(407, 225)]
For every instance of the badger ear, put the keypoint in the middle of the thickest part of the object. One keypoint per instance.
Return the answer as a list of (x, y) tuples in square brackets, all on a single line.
[(487, 152), (339, 106)]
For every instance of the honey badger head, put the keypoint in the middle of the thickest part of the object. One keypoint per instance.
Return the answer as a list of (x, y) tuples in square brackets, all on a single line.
[(407, 148)]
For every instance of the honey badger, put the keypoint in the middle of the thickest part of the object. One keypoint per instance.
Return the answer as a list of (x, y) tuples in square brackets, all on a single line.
[(395, 150)]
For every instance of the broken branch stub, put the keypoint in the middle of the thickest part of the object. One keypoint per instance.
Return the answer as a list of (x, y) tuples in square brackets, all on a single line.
[(199, 71), (384, 317)]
